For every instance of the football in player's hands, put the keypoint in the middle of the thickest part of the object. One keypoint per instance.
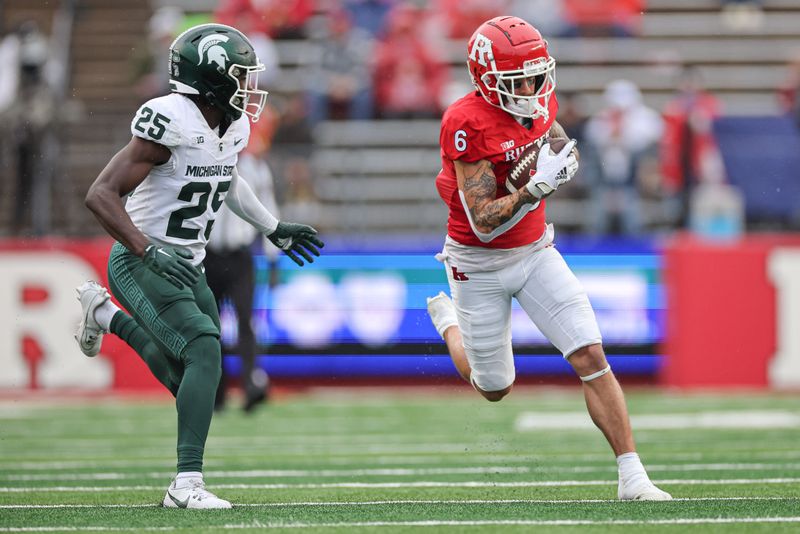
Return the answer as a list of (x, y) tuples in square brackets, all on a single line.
[(525, 167)]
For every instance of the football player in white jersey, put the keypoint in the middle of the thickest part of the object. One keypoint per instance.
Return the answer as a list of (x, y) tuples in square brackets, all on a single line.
[(177, 170)]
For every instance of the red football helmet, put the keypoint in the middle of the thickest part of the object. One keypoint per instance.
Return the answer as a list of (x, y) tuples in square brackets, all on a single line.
[(508, 57)]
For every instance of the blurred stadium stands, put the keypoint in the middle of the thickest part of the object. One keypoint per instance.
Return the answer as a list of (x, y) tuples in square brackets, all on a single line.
[(368, 176), (368, 185)]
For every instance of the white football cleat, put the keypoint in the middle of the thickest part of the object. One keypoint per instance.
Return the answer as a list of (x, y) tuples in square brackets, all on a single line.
[(641, 490), (90, 334), (192, 493), (442, 312)]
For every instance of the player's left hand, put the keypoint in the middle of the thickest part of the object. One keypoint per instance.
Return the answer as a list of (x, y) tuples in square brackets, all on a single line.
[(171, 263), (294, 239), (569, 172)]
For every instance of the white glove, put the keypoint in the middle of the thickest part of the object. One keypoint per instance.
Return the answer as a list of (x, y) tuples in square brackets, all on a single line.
[(552, 170)]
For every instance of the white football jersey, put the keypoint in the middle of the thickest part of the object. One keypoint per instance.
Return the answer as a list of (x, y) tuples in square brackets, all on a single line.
[(177, 202)]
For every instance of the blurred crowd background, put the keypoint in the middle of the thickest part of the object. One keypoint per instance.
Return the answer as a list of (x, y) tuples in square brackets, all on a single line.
[(686, 111)]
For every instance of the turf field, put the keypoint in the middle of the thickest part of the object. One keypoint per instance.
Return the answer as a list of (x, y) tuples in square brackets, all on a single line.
[(405, 460)]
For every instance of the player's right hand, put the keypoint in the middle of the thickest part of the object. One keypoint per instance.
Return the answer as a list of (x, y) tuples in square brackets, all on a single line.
[(172, 264), (551, 170)]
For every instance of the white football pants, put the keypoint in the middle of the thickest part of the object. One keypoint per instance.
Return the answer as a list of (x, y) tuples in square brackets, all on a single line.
[(545, 288)]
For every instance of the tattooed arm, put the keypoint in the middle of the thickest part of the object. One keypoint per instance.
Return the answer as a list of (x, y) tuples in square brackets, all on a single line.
[(477, 183)]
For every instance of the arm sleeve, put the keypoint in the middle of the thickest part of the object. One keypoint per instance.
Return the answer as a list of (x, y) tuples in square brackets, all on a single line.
[(243, 202)]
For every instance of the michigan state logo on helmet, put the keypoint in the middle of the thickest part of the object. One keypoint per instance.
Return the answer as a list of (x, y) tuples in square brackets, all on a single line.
[(218, 63)]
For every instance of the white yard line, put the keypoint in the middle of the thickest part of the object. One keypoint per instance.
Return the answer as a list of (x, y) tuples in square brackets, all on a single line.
[(749, 420), (283, 473), (393, 503), (400, 472), (400, 485), (431, 523), (550, 459)]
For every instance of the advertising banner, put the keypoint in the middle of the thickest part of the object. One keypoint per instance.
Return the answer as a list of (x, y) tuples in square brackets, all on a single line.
[(358, 311)]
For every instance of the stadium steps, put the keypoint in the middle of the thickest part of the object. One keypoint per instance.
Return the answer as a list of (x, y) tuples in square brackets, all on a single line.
[(13, 12), (379, 177), (105, 35), (379, 174)]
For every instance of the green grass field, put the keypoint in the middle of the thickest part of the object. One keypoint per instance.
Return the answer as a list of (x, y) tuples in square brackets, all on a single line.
[(405, 460)]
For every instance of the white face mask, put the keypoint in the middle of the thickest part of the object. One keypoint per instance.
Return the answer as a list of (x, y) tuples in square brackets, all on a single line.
[(511, 86), (248, 98)]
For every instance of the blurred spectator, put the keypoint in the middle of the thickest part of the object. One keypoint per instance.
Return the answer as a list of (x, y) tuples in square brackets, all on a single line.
[(230, 270), (689, 151), (249, 22), (339, 85), (369, 15), (149, 62), (28, 119), (293, 131), (408, 78), (291, 157), (571, 115), (619, 137), (546, 15), (278, 19), (300, 195), (461, 17), (611, 18), (572, 118)]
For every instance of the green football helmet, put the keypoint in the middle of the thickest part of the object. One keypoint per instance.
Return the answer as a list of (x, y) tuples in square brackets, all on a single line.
[(218, 63)]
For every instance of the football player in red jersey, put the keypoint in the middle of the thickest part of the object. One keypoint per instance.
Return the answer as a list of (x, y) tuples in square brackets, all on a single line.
[(499, 246)]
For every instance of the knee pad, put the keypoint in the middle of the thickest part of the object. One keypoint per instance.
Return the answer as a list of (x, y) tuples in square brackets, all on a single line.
[(492, 370), (494, 395)]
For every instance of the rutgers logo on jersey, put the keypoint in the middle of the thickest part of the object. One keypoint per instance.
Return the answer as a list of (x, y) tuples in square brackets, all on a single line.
[(209, 47), (514, 153), (481, 50)]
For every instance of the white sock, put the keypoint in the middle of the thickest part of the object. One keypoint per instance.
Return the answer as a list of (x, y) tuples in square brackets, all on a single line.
[(630, 468), (186, 475), (104, 313)]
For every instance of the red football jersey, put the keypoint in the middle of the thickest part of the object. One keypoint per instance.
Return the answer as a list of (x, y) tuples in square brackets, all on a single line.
[(472, 130)]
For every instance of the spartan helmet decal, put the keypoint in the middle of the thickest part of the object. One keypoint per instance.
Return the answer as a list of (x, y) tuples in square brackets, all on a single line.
[(209, 47)]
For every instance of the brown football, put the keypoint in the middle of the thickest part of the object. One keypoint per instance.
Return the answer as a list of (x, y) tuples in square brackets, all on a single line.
[(525, 167)]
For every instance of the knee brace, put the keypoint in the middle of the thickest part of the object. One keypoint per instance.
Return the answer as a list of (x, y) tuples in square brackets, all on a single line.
[(598, 374)]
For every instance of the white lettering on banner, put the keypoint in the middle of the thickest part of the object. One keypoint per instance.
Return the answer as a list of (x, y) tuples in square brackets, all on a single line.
[(783, 267), (308, 308), (50, 319), (374, 306)]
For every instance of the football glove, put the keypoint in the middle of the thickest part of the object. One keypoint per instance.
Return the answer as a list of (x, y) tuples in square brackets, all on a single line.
[(172, 264), (294, 239), (552, 170)]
